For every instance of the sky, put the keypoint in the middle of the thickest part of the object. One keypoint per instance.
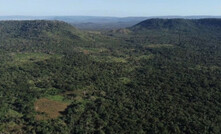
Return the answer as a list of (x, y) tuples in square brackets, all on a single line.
[(117, 8)]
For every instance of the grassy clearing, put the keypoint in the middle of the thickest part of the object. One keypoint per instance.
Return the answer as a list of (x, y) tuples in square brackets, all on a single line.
[(125, 80), (56, 98), (13, 114), (59, 98), (22, 58), (207, 68), (117, 59), (109, 59), (93, 50), (49, 109), (29, 57), (159, 45), (129, 69), (145, 57)]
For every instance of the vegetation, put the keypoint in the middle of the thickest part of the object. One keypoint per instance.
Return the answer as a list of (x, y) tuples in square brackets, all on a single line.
[(159, 76)]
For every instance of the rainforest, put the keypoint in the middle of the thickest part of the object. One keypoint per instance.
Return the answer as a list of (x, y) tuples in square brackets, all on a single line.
[(160, 76)]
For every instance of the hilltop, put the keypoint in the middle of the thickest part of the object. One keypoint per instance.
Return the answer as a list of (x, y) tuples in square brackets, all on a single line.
[(38, 35)]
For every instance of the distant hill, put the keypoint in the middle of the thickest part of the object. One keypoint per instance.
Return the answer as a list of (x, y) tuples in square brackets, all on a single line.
[(170, 30), (35, 29), (33, 35), (178, 25)]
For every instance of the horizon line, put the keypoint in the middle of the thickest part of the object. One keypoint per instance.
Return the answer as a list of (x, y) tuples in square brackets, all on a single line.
[(109, 16)]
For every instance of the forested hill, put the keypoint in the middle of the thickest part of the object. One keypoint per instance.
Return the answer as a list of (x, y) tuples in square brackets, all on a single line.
[(178, 24), (38, 35), (35, 29), (179, 31)]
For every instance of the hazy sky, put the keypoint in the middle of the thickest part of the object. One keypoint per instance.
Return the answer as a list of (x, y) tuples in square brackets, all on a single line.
[(110, 7)]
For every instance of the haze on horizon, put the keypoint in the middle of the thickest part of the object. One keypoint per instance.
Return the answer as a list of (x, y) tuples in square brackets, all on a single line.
[(117, 8)]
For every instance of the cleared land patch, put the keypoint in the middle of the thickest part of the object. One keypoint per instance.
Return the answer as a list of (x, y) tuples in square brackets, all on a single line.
[(28, 57), (109, 59), (144, 57), (92, 50), (50, 109), (22, 58)]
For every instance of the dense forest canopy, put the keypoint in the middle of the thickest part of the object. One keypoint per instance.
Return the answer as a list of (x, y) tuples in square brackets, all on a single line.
[(159, 76)]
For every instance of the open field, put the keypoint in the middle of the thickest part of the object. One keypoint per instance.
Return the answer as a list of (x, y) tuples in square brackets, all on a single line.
[(51, 109), (25, 58)]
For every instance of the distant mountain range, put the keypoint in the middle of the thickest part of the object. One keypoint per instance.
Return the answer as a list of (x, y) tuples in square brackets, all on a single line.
[(99, 23)]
